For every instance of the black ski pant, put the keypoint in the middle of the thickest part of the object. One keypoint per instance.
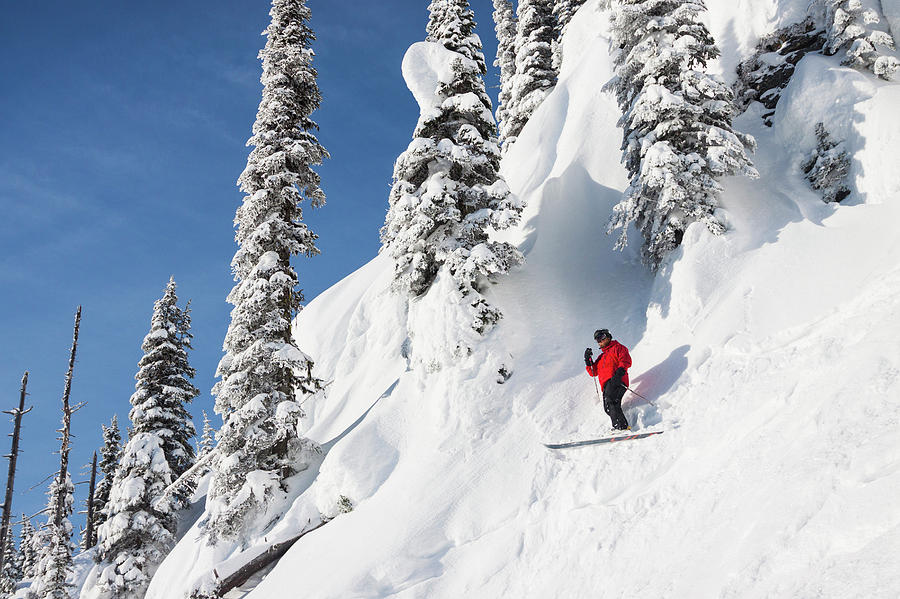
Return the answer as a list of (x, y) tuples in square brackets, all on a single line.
[(612, 405)]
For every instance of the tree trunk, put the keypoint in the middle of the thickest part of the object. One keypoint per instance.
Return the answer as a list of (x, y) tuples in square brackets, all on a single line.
[(11, 477), (266, 558), (61, 490)]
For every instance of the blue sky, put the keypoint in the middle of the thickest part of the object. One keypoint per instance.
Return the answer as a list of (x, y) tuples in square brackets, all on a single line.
[(123, 136)]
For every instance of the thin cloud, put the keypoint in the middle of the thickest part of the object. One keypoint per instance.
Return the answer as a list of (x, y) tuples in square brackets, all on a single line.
[(29, 196)]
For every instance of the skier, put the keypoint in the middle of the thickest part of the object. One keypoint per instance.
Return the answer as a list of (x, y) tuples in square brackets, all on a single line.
[(611, 369)]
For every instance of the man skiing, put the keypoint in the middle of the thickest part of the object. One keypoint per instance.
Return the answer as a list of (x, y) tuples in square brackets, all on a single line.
[(611, 369)]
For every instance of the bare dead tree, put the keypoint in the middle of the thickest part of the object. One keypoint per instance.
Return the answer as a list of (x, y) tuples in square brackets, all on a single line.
[(60, 507), (11, 477), (55, 564)]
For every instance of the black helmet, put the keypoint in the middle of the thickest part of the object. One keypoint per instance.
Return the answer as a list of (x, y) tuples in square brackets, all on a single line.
[(601, 334)]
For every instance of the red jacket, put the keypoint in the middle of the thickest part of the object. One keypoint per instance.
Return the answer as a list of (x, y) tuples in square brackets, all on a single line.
[(613, 357)]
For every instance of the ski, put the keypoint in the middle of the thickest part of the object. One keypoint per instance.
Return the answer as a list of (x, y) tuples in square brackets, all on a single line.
[(603, 440)]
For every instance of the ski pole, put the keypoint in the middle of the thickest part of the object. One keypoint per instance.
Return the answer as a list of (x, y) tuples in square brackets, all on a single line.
[(597, 387), (641, 396)]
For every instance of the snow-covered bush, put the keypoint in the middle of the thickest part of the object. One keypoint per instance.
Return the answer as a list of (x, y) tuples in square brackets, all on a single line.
[(828, 167), (855, 26), (345, 504)]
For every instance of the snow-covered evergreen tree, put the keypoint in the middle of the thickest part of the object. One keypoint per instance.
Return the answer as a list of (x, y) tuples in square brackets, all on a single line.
[(139, 529), (19, 560), (447, 191), (207, 438), (12, 568), (451, 23), (263, 371), (163, 388), (184, 326), (828, 167), (505, 27), (535, 74), (856, 26), (89, 530), (27, 548), (678, 137), (563, 11), (54, 545), (110, 454)]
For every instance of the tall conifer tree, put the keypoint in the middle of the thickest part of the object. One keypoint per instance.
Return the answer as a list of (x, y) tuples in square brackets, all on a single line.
[(678, 138), (207, 438), (138, 523), (263, 371), (89, 533), (505, 27), (536, 74), (11, 573), (27, 548), (447, 191), (110, 454), (563, 11), (163, 388)]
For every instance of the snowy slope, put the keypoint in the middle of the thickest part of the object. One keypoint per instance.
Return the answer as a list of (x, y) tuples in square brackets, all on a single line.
[(891, 10), (771, 355)]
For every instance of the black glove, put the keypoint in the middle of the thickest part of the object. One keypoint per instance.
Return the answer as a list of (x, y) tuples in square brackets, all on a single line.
[(588, 357), (615, 381)]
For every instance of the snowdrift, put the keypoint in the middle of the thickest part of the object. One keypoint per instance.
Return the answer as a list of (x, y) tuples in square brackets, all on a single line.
[(771, 355)]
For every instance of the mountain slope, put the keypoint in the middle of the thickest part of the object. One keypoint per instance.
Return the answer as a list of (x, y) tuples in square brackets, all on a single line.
[(771, 355)]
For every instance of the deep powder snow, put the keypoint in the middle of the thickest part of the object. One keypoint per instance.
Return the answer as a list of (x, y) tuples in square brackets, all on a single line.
[(771, 356)]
